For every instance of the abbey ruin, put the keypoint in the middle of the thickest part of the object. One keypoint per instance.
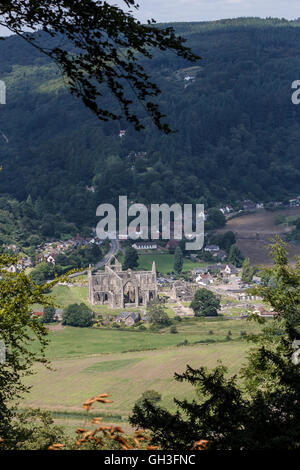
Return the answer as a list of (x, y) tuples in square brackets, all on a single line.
[(119, 288)]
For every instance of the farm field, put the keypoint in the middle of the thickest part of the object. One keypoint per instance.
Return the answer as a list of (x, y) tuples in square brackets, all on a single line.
[(70, 342), (164, 262), (254, 231), (87, 361)]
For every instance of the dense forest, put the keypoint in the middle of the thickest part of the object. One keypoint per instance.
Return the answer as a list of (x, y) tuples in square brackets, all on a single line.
[(235, 133)]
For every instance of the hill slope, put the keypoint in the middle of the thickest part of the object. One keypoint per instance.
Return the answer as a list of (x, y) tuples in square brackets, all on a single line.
[(237, 129)]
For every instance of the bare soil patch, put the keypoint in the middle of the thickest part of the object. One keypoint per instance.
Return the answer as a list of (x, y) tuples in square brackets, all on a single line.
[(254, 233)]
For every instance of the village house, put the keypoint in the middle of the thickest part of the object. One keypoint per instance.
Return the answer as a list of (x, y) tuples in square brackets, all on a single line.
[(129, 318), (26, 262), (51, 258), (229, 270), (140, 154), (220, 255), (249, 205), (243, 296), (226, 210), (145, 246), (13, 247), (212, 248), (216, 268), (58, 316), (198, 271), (295, 202), (38, 313), (13, 269), (204, 280), (262, 312), (91, 189)]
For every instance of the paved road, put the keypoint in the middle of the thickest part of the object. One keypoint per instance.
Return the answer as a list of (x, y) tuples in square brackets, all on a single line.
[(114, 248)]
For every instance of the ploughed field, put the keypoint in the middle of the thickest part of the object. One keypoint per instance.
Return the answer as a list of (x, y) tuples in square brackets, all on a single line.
[(255, 231)]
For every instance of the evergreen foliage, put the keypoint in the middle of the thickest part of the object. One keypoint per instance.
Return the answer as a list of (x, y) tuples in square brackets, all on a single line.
[(255, 411)]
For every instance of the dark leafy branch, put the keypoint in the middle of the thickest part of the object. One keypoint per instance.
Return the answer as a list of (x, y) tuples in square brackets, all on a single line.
[(108, 45)]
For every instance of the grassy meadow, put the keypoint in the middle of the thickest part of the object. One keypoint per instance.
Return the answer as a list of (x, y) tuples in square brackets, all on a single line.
[(87, 361), (164, 262), (125, 363)]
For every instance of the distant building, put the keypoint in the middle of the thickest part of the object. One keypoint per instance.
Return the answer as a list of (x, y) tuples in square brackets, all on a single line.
[(119, 288), (13, 248), (198, 271), (204, 280), (91, 189), (38, 313), (229, 270), (221, 255), (294, 202), (262, 312), (145, 246), (226, 210), (58, 314), (129, 318), (212, 248), (216, 268), (14, 268), (51, 258), (249, 205)]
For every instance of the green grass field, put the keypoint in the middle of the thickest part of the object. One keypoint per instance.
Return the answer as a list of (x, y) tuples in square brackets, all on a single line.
[(126, 363), (70, 342), (164, 263), (125, 376), (89, 361)]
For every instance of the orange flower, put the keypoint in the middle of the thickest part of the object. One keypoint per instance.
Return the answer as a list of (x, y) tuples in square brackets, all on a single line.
[(81, 430), (103, 400), (96, 420), (87, 407), (200, 445), (116, 429), (56, 446)]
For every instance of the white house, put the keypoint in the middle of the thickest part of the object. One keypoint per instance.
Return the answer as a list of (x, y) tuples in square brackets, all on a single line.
[(145, 246)]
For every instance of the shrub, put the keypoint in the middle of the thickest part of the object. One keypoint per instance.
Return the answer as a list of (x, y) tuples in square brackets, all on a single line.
[(177, 318), (78, 315)]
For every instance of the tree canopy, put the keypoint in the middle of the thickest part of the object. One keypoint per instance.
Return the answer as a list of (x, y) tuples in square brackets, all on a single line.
[(18, 327), (131, 259), (78, 315), (106, 45), (178, 260), (256, 410), (205, 303)]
